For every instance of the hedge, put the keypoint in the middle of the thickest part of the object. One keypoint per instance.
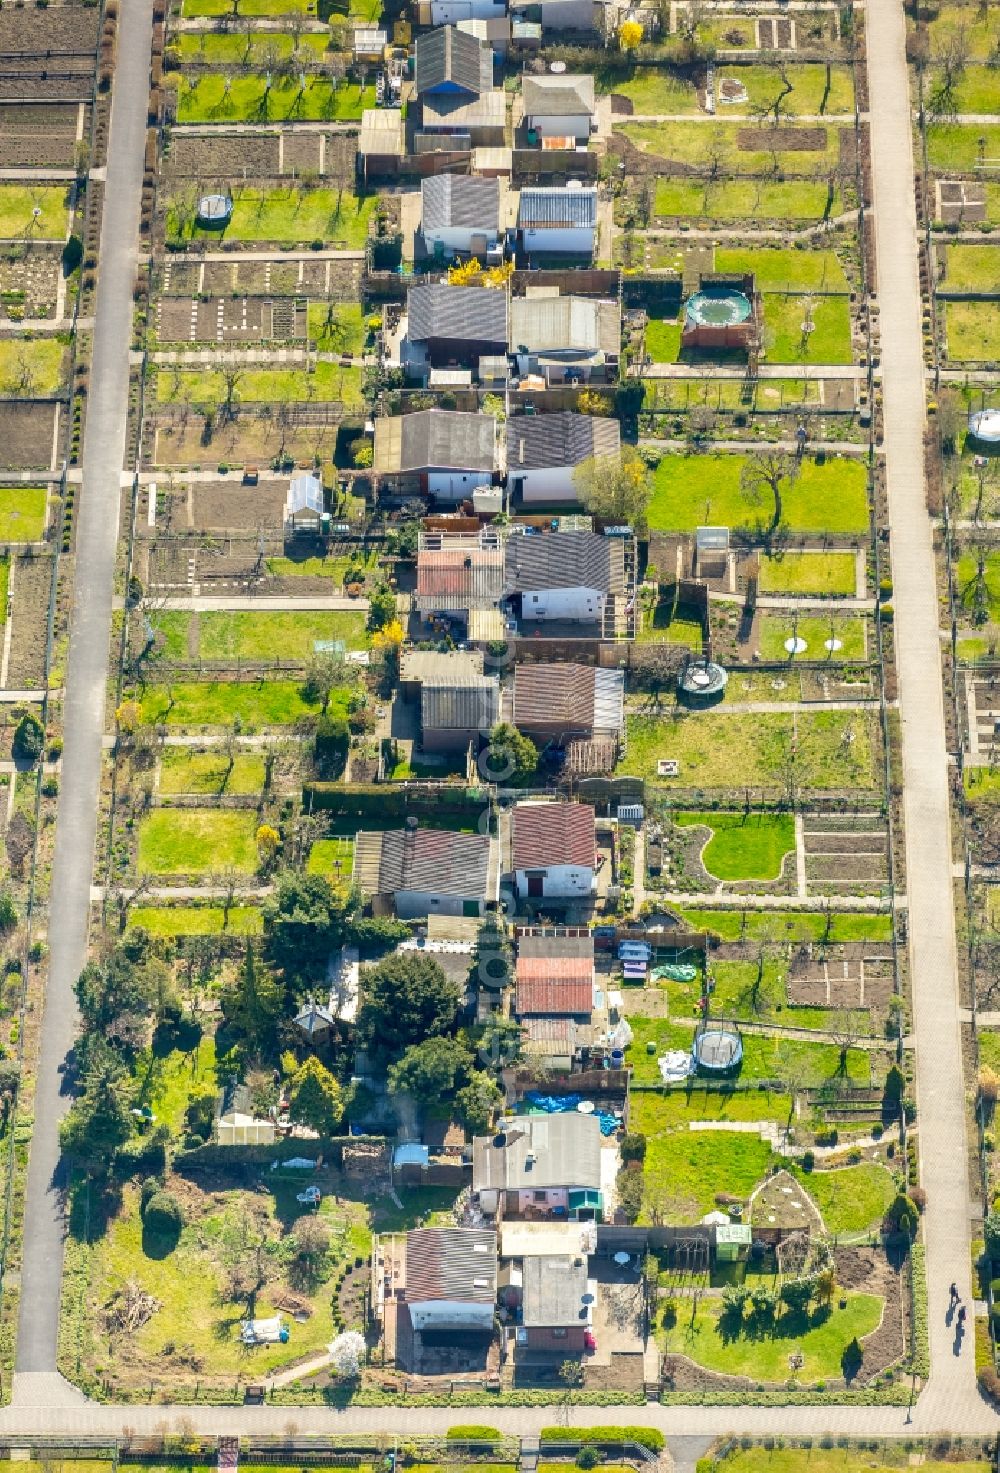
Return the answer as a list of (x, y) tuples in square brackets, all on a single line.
[(473, 1432), (648, 1437)]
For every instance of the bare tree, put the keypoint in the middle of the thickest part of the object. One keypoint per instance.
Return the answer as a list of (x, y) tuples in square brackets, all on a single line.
[(765, 476)]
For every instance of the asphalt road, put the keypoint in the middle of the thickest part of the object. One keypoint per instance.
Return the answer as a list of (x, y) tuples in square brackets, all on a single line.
[(951, 1394), (83, 715)]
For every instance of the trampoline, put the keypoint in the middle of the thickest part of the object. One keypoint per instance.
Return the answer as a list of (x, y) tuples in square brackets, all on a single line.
[(214, 210), (717, 1049), (717, 307), (702, 680)]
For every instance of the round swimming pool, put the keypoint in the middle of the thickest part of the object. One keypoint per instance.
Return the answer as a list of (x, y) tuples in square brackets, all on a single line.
[(722, 308)]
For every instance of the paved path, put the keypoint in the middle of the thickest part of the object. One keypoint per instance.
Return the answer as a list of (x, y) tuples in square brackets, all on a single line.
[(83, 717), (764, 371), (951, 1395), (47, 1405)]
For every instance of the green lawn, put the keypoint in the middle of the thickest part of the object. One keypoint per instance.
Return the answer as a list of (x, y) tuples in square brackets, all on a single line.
[(22, 513), (809, 572), (30, 366), (802, 1063), (815, 629), (812, 91), (167, 1080), (973, 331), (722, 749), (18, 203), (705, 143), (974, 92), (762, 1352), (976, 23), (289, 215), (271, 635), (269, 8), (207, 388), (743, 846), (251, 48), (791, 925), (686, 1168), (217, 703), (972, 268), (787, 340), (210, 773), (197, 920), (321, 567), (745, 199), (883, 1457), (326, 854), (337, 327), (989, 1048), (188, 841), (961, 146), (663, 339), (982, 784), (652, 90), (730, 394), (786, 269), (222, 97), (193, 1319), (663, 623), (852, 1199), (966, 580), (692, 490)]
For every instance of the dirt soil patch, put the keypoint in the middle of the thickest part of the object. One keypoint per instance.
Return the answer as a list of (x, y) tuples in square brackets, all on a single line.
[(32, 581), (64, 30), (39, 136), (26, 433), (208, 157), (302, 153), (245, 439), (216, 507), (782, 140)]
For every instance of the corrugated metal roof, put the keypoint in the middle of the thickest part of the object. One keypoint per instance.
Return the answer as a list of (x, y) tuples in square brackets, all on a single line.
[(461, 314), (546, 834), (539, 1151), (381, 133), (468, 705), (450, 58), (565, 324), (609, 701), (459, 578), (544, 441), (458, 201), (557, 96), (435, 439), (546, 208), (550, 1036), (451, 1263), (564, 560), (557, 697), (554, 985), (434, 862), (460, 114)]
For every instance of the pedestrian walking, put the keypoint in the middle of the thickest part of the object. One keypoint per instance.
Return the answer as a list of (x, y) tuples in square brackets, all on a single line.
[(953, 1292)]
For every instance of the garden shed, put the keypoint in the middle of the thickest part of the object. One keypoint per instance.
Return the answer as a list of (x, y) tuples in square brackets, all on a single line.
[(732, 1241)]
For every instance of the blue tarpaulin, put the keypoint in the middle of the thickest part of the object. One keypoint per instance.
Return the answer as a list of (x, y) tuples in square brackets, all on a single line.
[(568, 1105)]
